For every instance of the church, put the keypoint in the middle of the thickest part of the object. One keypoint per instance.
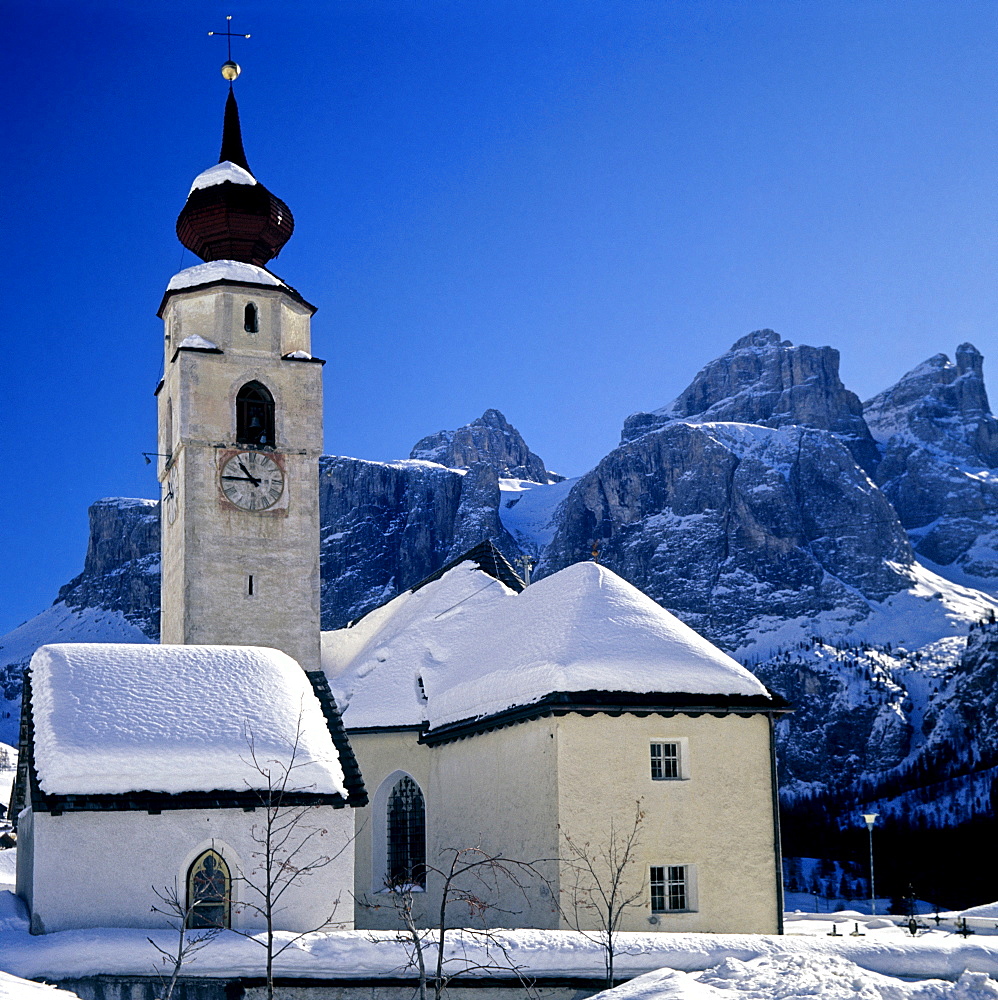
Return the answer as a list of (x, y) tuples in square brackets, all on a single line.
[(472, 711)]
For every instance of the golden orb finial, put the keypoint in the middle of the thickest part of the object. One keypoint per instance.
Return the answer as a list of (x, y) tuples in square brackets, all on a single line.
[(230, 70)]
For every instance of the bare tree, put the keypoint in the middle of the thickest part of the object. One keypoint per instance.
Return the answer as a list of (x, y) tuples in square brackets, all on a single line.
[(601, 883), (178, 917), (291, 846), (470, 880)]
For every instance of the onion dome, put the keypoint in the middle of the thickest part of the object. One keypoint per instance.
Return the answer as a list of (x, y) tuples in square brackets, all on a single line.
[(229, 214)]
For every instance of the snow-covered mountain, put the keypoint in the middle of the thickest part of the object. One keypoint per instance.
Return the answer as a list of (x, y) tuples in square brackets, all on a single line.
[(843, 550)]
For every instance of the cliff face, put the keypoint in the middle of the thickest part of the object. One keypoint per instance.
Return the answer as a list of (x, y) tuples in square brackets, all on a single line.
[(736, 527), (940, 456), (768, 381), (121, 568), (386, 526), (492, 440)]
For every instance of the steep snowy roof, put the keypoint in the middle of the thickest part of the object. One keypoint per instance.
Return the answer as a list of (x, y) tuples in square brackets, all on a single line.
[(223, 270), (375, 668), (581, 629), (465, 647), (112, 718)]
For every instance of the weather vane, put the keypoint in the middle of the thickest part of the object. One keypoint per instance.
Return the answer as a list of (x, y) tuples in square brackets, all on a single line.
[(230, 69)]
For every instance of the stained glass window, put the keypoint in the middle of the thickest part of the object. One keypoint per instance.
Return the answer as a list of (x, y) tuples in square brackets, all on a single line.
[(209, 891)]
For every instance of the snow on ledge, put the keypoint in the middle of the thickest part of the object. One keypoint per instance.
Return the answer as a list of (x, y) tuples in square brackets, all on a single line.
[(196, 341), (219, 174), (223, 270)]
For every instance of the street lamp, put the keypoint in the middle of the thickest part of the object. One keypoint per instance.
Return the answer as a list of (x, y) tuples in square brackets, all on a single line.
[(870, 819)]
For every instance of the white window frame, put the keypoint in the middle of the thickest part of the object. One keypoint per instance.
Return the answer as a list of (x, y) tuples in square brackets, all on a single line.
[(673, 875), (682, 745)]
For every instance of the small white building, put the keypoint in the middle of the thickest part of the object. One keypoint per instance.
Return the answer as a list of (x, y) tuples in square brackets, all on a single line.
[(527, 720), (147, 770)]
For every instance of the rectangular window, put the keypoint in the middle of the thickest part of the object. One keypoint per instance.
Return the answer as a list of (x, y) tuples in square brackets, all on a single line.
[(670, 888), (665, 761)]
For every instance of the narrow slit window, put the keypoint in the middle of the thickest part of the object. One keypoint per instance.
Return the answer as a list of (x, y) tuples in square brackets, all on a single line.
[(406, 835), (251, 318), (249, 585), (665, 762)]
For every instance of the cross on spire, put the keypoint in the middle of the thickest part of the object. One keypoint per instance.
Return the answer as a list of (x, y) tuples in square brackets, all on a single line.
[(228, 34)]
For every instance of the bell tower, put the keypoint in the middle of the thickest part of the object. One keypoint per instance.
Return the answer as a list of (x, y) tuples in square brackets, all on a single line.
[(240, 424)]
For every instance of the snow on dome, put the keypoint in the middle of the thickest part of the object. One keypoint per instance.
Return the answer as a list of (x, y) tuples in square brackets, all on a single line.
[(375, 667), (195, 340), (223, 270), (220, 173), (120, 717), (581, 629)]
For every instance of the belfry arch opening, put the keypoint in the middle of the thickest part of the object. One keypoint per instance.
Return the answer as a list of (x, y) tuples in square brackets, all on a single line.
[(254, 415)]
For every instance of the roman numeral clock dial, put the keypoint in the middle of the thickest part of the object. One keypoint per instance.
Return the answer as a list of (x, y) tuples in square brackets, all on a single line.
[(252, 480)]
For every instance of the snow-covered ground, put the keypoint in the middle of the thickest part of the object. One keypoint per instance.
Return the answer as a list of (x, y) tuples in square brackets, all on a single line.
[(807, 961), (15, 988)]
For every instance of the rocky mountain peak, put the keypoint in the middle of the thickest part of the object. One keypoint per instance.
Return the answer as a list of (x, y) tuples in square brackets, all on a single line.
[(941, 406), (491, 439), (765, 380)]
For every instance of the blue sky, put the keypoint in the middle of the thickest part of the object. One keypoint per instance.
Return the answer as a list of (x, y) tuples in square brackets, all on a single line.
[(562, 210)]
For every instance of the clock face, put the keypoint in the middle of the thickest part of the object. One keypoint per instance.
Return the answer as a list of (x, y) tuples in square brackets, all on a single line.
[(170, 498), (252, 480)]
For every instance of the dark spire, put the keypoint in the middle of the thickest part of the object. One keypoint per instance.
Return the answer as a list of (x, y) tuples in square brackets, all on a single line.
[(225, 219), (232, 135)]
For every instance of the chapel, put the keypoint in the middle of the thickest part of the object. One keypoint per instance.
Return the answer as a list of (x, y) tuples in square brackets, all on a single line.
[(526, 722)]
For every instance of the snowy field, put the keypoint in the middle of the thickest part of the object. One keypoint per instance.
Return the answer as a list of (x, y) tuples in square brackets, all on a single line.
[(870, 959)]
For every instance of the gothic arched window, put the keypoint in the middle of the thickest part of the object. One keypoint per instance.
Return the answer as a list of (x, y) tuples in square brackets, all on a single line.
[(209, 891), (254, 415), (251, 318), (406, 834)]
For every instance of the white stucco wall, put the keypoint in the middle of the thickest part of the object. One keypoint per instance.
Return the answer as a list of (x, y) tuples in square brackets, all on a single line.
[(517, 790), (719, 820), (383, 758), (101, 869)]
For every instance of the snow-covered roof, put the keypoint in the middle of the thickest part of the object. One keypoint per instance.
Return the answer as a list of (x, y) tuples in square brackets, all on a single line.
[(117, 718), (220, 173), (198, 343), (581, 629), (464, 647), (223, 270), (376, 666)]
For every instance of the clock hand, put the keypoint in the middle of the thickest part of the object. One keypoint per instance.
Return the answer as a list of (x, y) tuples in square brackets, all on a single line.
[(256, 482), (244, 479)]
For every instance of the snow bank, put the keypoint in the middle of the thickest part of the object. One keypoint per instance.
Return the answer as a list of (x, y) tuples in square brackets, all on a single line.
[(223, 270), (220, 173), (8, 867), (725, 960), (13, 988), (125, 717), (830, 977)]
